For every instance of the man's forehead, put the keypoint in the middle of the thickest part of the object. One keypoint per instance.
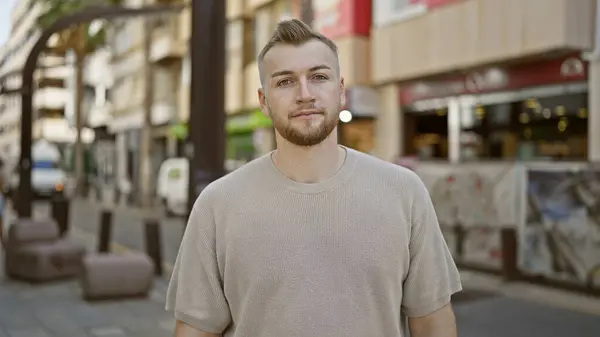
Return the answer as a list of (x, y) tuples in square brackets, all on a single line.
[(288, 57)]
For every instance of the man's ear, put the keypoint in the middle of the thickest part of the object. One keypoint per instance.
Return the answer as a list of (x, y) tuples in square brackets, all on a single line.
[(262, 100)]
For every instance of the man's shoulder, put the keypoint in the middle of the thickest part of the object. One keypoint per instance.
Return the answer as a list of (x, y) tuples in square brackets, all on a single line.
[(371, 166), (236, 180)]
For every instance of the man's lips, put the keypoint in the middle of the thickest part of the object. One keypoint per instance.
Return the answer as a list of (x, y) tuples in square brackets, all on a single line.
[(307, 113)]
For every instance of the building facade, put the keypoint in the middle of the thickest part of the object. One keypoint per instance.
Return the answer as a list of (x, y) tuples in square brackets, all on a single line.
[(51, 97), (464, 80), (251, 23), (166, 55)]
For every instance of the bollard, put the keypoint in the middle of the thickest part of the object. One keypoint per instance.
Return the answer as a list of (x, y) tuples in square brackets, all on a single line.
[(60, 212), (510, 270), (105, 231), (153, 244)]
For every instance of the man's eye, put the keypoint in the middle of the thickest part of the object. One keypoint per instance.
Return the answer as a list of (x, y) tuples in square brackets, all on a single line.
[(284, 82), (320, 77)]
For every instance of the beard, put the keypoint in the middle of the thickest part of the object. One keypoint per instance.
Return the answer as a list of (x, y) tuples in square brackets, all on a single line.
[(305, 132)]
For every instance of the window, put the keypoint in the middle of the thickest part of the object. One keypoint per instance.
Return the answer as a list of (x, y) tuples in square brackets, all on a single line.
[(262, 30), (552, 128), (249, 52)]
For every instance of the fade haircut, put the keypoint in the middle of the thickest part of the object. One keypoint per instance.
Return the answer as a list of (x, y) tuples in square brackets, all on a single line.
[(294, 32)]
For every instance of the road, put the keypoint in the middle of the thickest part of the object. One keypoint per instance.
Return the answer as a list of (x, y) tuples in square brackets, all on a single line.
[(479, 313)]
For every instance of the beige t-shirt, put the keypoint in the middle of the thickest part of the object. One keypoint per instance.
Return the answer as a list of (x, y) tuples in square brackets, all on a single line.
[(264, 256)]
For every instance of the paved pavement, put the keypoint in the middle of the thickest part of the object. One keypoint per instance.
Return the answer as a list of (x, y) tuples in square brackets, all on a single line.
[(488, 307), (57, 309)]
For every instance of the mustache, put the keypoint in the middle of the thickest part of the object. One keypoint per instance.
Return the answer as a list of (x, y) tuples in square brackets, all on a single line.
[(311, 109)]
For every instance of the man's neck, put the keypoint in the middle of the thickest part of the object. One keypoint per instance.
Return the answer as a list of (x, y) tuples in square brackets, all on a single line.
[(312, 164)]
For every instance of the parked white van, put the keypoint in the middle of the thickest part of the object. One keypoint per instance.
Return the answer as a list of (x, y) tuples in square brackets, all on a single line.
[(172, 185)]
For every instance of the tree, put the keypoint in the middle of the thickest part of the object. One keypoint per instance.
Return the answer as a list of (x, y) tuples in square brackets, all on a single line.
[(82, 40)]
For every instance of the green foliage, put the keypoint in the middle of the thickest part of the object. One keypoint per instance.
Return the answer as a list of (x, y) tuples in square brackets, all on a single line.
[(55, 9)]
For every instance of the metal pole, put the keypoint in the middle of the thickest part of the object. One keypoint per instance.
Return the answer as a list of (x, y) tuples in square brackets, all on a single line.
[(145, 168), (60, 212), (206, 134), (105, 231), (153, 244)]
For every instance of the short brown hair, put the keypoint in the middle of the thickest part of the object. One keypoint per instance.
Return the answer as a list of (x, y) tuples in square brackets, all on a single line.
[(294, 32)]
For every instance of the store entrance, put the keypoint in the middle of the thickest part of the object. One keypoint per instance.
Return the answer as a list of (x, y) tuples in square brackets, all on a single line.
[(426, 134)]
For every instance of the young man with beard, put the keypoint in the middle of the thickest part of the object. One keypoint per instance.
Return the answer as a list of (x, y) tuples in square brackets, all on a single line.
[(313, 239)]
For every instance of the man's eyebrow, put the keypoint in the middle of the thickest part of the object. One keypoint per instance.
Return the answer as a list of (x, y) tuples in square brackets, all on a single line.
[(282, 73), (289, 72)]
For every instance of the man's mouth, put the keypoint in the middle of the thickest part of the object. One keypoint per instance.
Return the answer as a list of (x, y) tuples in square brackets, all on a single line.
[(307, 113)]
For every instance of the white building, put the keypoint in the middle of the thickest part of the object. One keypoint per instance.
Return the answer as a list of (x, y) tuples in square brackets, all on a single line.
[(51, 97)]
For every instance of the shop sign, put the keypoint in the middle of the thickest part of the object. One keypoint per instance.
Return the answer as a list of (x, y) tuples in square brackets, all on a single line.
[(565, 70), (339, 18), (390, 11), (248, 123)]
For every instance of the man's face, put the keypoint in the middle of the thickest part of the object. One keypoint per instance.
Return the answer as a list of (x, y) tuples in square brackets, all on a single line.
[(302, 91)]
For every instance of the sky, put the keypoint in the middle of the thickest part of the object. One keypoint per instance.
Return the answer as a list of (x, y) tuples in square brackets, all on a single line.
[(7, 6)]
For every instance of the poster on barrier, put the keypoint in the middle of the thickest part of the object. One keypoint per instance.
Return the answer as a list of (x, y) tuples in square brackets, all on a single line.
[(477, 195), (481, 198), (559, 236)]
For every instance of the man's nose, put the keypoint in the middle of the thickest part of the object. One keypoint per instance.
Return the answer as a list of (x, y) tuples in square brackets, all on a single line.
[(304, 93)]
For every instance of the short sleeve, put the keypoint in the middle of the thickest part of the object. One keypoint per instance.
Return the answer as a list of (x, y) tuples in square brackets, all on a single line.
[(195, 293), (432, 277)]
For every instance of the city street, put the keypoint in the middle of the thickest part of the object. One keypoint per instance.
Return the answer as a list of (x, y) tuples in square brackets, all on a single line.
[(487, 308)]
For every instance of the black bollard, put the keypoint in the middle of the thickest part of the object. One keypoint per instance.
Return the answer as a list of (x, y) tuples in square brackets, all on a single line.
[(60, 212), (510, 270), (105, 231), (153, 244)]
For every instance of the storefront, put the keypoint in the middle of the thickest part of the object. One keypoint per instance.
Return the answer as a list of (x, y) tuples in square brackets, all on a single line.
[(356, 129), (248, 137), (530, 111)]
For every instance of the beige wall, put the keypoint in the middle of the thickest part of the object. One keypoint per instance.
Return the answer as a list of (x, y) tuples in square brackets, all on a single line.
[(251, 5), (388, 141), (251, 85), (477, 32), (355, 59), (235, 9)]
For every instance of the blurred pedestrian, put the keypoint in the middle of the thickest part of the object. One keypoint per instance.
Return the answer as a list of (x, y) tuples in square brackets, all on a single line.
[(313, 239)]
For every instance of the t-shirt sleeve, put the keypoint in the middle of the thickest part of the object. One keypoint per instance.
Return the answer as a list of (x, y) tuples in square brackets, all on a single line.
[(195, 293), (432, 276)]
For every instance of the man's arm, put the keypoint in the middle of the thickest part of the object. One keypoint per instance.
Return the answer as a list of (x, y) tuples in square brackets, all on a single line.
[(185, 330), (441, 323)]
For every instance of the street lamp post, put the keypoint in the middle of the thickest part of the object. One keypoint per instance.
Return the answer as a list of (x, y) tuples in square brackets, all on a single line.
[(206, 126), (27, 88)]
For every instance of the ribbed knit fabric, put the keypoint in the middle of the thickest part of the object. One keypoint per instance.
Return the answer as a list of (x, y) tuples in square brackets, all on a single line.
[(264, 256)]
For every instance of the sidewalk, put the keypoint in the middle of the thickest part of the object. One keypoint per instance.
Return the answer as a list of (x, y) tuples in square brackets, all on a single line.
[(57, 310), (487, 307)]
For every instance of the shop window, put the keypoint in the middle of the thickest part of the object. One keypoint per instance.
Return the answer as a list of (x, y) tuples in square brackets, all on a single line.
[(426, 134), (552, 128)]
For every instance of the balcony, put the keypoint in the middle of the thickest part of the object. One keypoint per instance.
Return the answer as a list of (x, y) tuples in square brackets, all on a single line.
[(50, 99), (58, 131), (167, 46), (99, 115), (162, 113)]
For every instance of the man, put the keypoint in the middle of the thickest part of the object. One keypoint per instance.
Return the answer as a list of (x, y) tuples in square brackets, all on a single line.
[(314, 239)]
